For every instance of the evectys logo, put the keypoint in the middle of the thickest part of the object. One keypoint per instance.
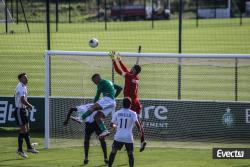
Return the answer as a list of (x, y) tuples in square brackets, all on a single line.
[(231, 153)]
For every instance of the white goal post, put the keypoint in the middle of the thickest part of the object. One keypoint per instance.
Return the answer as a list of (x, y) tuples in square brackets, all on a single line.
[(68, 59)]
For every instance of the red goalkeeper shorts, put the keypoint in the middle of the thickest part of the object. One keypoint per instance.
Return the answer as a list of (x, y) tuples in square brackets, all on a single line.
[(136, 106)]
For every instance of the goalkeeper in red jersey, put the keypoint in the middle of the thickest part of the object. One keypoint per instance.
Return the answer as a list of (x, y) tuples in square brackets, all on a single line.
[(130, 87)]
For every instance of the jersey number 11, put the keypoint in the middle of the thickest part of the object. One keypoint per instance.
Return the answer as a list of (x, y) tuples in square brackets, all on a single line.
[(125, 123)]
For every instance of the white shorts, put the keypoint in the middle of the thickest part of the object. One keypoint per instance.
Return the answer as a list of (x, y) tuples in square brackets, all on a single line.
[(82, 109), (108, 105)]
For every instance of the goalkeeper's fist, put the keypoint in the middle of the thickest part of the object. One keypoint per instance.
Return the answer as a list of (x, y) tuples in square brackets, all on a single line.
[(112, 55)]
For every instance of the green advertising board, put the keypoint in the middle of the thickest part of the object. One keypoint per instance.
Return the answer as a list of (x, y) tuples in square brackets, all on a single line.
[(36, 115), (197, 120), (171, 120), (163, 119)]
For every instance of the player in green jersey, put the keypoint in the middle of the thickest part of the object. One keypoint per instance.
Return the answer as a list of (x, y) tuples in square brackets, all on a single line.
[(106, 104)]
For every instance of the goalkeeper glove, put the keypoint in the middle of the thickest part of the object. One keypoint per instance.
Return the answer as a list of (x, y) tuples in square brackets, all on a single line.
[(118, 57), (112, 55)]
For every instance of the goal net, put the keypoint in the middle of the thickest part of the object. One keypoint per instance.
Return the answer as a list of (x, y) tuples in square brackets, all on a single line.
[(3, 10), (185, 97)]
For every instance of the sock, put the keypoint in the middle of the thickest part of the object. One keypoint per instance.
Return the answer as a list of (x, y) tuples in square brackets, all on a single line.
[(86, 149), (27, 140), (142, 137), (131, 159), (20, 142), (86, 114), (104, 148), (111, 158), (102, 126)]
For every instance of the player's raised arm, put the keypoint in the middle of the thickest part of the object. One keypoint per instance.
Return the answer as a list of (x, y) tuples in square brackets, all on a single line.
[(112, 55), (124, 68), (118, 89), (117, 68)]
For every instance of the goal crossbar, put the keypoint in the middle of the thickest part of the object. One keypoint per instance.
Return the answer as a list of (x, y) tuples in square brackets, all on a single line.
[(134, 54)]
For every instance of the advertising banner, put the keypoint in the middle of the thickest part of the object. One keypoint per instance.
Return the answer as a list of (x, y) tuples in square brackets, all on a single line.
[(162, 119), (36, 115)]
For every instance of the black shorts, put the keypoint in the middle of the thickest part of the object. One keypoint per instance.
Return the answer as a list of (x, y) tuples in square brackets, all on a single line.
[(21, 116), (90, 128), (118, 146)]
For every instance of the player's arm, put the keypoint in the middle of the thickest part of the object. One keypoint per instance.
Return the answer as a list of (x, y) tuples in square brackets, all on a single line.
[(113, 57), (26, 103), (117, 68), (124, 68), (118, 89), (113, 123), (138, 125), (98, 94)]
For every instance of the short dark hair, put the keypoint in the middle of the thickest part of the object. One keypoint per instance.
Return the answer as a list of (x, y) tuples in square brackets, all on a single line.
[(137, 68), (95, 75), (21, 75), (126, 102)]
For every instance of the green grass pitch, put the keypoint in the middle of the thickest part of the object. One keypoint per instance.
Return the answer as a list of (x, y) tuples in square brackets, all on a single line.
[(173, 154)]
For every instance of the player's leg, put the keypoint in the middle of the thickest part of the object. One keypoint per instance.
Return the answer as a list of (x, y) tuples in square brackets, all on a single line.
[(102, 142), (130, 150), (19, 117), (19, 121), (115, 146), (136, 106), (104, 150), (108, 106), (88, 132), (112, 157), (20, 142), (99, 119), (27, 136), (143, 141), (92, 109), (131, 159), (80, 110), (71, 110), (27, 140)]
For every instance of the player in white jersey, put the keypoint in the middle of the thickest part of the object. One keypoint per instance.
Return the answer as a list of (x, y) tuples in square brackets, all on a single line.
[(123, 120), (21, 115), (90, 127)]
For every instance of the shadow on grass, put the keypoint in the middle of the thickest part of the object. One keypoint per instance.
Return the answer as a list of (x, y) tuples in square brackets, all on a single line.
[(10, 160), (105, 165), (100, 165), (112, 165), (14, 131), (122, 165)]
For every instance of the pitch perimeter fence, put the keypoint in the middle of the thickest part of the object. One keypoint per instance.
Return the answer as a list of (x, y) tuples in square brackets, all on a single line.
[(68, 25)]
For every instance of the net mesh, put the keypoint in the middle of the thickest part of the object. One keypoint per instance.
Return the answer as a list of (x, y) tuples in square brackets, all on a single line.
[(206, 113), (2, 13)]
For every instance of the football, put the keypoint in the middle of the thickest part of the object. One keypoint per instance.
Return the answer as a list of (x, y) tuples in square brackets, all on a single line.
[(93, 42)]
